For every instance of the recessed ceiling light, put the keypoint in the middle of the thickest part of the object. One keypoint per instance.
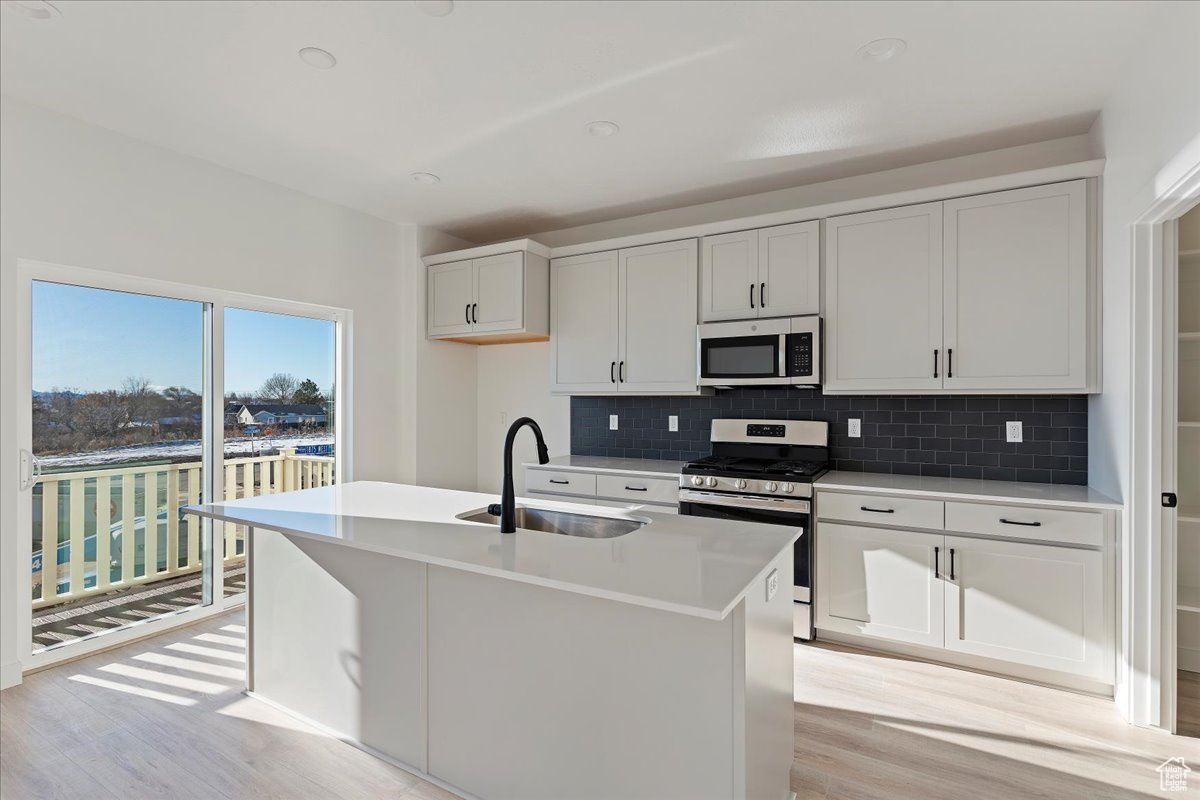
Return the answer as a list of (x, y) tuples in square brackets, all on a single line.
[(426, 178), (436, 8), (316, 57), (603, 127), (882, 50), (33, 9)]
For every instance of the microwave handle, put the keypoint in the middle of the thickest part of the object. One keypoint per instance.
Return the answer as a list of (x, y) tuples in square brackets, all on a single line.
[(783, 345)]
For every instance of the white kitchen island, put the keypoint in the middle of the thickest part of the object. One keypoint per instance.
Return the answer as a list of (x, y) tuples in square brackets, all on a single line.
[(526, 666)]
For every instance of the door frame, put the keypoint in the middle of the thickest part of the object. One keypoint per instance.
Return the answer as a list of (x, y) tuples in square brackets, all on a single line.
[(1146, 678), (213, 439)]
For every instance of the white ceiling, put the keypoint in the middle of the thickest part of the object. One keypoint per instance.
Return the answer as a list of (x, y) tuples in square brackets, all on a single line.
[(714, 99)]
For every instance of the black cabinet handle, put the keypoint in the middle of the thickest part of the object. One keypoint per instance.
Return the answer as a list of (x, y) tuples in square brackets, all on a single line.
[(762, 296), (877, 510), (467, 313), (1018, 522), (556, 480), (935, 354), (475, 313), (950, 363), (951, 563), (621, 372), (612, 372), (752, 295), (636, 488), (937, 556)]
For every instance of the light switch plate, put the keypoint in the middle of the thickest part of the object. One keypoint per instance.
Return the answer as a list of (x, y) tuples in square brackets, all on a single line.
[(855, 429), (1013, 431), (772, 584), (612, 422), (672, 423)]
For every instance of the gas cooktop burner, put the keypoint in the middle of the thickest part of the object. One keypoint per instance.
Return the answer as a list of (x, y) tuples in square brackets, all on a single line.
[(758, 466)]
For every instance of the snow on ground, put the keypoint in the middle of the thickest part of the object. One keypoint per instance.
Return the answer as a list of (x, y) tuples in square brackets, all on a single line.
[(182, 450)]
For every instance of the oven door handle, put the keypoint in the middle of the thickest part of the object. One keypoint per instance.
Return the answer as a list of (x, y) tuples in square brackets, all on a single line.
[(742, 501)]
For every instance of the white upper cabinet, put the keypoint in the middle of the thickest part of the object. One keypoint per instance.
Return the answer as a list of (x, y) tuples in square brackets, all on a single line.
[(625, 320), (772, 272), (1016, 311), (499, 295), (789, 270), (883, 300), (729, 276), (494, 298), (450, 294), (583, 323), (980, 294), (657, 326)]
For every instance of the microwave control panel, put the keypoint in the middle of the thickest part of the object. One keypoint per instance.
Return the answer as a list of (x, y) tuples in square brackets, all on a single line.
[(799, 355)]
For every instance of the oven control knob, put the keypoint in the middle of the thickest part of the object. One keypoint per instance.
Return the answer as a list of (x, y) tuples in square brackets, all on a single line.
[(697, 480), (710, 481), (788, 488), (739, 484), (771, 486)]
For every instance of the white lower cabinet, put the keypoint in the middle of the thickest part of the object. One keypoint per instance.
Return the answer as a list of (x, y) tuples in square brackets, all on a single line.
[(977, 600), (876, 582), (1027, 603), (610, 489)]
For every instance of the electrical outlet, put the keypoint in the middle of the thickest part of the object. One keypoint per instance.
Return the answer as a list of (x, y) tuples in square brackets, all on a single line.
[(855, 429), (612, 422), (672, 423), (772, 584), (1013, 431)]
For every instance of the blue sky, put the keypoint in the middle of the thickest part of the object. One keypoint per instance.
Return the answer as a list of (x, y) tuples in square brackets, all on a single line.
[(93, 339)]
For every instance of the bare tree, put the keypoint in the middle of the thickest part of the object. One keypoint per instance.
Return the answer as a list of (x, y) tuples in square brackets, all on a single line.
[(138, 398), (279, 388)]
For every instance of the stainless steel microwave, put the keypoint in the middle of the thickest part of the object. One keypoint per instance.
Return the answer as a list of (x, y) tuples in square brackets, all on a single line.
[(760, 352)]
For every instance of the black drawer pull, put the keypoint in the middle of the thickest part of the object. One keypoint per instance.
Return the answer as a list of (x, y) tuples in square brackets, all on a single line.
[(612, 372), (935, 363), (1018, 522), (555, 480), (877, 510), (937, 556), (636, 488), (952, 563), (752, 295)]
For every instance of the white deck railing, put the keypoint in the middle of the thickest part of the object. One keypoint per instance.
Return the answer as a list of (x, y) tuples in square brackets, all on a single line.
[(140, 536)]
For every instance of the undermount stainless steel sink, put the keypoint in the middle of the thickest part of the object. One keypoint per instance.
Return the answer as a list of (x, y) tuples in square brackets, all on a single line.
[(587, 526)]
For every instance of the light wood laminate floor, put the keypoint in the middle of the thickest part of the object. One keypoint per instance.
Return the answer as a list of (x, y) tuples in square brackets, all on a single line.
[(165, 718)]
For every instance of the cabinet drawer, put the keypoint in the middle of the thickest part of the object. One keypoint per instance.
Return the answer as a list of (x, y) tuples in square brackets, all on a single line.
[(1027, 523), (901, 512), (564, 482), (643, 490)]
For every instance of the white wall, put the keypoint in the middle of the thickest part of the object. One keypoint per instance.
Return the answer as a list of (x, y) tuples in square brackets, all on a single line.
[(74, 194), (438, 379), (1149, 118), (514, 382)]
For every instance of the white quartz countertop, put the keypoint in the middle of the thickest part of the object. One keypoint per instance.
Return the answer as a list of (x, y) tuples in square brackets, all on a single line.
[(688, 565), (625, 466), (1045, 494)]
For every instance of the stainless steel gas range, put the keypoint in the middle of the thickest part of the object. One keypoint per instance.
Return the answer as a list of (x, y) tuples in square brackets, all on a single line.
[(762, 470)]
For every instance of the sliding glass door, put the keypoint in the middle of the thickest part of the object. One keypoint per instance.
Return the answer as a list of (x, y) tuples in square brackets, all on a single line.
[(144, 397), (117, 429), (279, 414)]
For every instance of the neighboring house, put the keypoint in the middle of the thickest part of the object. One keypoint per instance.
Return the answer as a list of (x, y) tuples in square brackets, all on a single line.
[(231, 413), (294, 414)]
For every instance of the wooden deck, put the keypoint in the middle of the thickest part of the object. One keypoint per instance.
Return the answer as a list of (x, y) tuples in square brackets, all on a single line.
[(54, 625)]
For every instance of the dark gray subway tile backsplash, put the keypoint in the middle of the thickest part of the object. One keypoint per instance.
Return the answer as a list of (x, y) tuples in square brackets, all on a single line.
[(960, 436)]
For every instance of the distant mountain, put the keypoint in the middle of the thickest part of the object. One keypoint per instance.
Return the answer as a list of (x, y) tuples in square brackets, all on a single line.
[(65, 393)]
